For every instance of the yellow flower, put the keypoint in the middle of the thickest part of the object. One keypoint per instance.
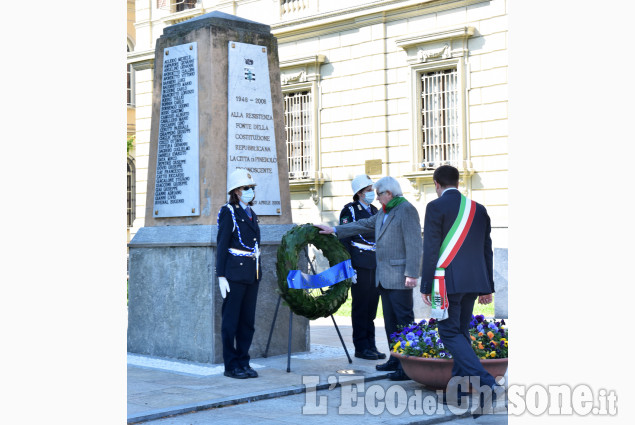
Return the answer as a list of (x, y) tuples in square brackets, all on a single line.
[(426, 355), (396, 347), (492, 354), (408, 344)]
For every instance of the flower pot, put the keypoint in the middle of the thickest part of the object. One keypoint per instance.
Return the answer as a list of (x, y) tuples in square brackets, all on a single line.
[(436, 373)]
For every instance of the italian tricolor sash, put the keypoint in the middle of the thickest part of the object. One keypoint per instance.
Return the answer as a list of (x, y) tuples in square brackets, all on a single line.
[(450, 246)]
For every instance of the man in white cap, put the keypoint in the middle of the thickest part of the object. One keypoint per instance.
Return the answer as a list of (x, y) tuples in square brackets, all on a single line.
[(238, 271), (361, 247)]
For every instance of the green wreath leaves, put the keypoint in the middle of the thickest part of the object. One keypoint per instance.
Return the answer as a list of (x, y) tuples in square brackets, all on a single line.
[(300, 301)]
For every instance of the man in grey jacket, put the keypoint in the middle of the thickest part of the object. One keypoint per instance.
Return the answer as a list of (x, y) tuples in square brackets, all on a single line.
[(399, 251)]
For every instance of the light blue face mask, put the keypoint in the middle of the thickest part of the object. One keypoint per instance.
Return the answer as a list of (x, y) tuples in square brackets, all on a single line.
[(369, 197), (247, 196)]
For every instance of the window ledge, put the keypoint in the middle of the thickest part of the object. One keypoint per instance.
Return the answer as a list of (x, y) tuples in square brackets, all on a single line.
[(304, 184), (417, 178)]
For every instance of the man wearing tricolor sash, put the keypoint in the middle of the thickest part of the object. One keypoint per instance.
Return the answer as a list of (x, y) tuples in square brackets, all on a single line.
[(457, 268)]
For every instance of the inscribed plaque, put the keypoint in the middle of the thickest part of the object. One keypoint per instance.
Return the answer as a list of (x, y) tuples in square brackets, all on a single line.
[(251, 140), (176, 192)]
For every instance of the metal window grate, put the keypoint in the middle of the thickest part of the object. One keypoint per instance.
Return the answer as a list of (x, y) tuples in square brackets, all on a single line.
[(440, 143), (298, 128), (129, 93), (176, 5)]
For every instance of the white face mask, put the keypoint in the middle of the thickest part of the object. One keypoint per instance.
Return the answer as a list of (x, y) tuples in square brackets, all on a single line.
[(247, 196), (369, 197)]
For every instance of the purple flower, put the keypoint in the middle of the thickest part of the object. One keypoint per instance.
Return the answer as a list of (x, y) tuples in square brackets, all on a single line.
[(410, 336), (479, 318), (428, 340), (432, 322), (492, 326), (479, 328)]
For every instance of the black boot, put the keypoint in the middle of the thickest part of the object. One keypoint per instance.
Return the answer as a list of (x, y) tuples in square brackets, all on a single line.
[(390, 365)]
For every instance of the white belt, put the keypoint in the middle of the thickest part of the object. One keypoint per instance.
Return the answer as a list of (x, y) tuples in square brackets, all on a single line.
[(363, 246), (241, 252)]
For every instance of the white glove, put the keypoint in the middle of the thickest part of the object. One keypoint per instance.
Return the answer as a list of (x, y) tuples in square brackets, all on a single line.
[(354, 278), (224, 286)]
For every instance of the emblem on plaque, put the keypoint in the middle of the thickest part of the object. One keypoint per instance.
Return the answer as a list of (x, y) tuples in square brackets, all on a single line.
[(249, 75)]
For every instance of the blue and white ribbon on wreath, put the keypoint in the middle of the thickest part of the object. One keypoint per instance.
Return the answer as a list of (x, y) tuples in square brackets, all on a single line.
[(339, 272)]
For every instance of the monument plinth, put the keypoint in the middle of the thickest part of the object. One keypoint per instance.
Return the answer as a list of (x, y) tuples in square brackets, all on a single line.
[(217, 106)]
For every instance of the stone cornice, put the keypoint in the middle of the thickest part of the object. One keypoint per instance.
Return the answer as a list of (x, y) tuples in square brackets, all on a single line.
[(462, 32), (358, 16), (141, 60), (302, 61)]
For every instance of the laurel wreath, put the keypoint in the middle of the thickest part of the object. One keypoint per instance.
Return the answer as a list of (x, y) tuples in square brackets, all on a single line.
[(310, 303)]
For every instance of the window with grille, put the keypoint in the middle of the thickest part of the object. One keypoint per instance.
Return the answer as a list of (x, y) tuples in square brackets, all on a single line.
[(184, 4), (130, 83), (131, 192), (440, 119), (298, 123)]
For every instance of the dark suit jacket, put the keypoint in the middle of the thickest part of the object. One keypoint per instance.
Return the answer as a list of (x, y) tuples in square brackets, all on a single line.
[(359, 258), (472, 268), (233, 268)]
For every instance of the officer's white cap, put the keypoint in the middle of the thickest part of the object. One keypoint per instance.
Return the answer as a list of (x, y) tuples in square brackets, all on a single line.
[(239, 177), (360, 182)]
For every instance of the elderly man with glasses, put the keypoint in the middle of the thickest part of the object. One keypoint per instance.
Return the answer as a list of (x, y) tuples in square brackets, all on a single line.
[(399, 251)]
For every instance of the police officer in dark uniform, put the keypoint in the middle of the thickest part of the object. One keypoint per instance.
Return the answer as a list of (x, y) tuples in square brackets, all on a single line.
[(238, 271), (362, 250)]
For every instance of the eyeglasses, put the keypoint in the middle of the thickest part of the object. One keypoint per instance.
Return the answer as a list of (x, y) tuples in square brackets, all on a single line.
[(248, 187)]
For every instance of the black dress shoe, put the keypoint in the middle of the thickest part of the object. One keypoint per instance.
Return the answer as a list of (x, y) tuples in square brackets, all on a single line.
[(237, 373), (398, 375), (251, 373), (389, 365), (380, 356), (367, 354)]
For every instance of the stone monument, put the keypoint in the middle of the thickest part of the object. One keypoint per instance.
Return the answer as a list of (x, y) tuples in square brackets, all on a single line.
[(217, 106)]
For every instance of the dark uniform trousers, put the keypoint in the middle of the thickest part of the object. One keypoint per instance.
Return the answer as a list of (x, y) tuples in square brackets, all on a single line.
[(238, 320), (239, 306), (364, 309)]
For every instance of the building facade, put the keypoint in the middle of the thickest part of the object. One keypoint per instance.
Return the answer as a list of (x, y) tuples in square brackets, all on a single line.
[(384, 87), (130, 120)]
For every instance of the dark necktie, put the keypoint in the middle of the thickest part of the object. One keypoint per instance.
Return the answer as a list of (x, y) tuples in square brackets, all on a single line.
[(248, 211)]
